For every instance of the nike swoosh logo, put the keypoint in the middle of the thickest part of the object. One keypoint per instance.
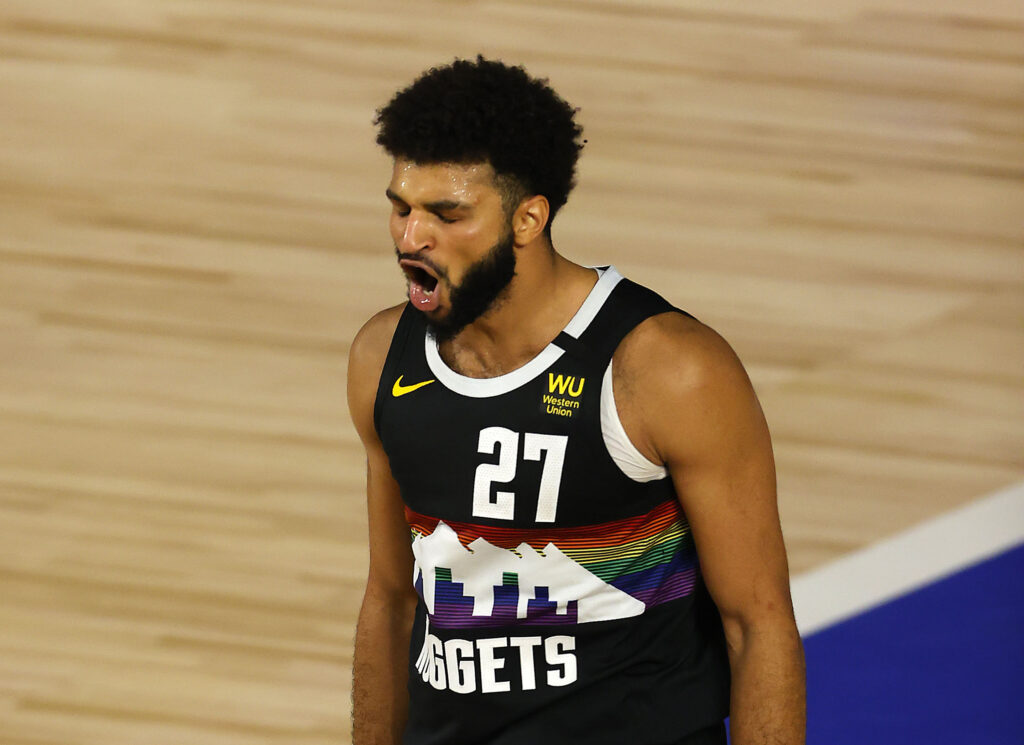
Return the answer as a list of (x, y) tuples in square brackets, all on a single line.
[(400, 390)]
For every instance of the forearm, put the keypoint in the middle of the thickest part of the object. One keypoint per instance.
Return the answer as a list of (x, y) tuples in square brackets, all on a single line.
[(380, 669), (768, 686)]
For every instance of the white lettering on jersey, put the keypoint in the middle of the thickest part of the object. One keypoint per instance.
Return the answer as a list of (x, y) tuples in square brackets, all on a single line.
[(436, 676), (491, 664), (458, 655), (526, 646), (558, 651)]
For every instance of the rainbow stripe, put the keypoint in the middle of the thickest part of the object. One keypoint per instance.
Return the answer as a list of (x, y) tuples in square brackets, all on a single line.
[(650, 557)]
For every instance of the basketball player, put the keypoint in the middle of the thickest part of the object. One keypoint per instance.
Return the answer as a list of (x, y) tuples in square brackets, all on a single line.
[(574, 535)]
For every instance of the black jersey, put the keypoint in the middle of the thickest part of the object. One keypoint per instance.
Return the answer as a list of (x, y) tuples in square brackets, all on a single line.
[(561, 599)]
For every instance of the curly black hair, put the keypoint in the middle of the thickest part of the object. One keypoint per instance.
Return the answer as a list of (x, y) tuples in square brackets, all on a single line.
[(485, 111)]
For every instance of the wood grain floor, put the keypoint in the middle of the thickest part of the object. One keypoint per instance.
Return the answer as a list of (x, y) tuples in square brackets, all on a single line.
[(192, 227)]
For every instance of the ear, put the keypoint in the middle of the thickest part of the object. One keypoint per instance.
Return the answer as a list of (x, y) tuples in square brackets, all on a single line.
[(530, 219)]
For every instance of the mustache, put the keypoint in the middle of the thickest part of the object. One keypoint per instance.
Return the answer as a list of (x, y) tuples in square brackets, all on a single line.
[(422, 258)]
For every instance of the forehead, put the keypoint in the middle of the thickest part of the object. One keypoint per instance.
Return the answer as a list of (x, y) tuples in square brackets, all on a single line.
[(472, 183)]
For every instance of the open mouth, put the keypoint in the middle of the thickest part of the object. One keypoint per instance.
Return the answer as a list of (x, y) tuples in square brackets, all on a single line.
[(420, 276), (422, 284)]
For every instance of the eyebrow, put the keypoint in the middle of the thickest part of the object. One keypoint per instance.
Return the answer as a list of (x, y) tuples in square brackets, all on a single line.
[(441, 205)]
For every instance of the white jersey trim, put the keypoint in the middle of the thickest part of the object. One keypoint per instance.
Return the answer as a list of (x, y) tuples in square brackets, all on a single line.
[(487, 387), (627, 457)]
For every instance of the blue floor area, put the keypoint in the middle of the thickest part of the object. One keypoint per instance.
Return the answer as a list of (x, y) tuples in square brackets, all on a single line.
[(943, 665)]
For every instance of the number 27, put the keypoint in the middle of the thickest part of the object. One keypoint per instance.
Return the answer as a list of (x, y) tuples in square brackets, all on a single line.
[(502, 504)]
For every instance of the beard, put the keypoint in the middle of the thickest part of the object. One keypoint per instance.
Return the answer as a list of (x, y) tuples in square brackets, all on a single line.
[(479, 291)]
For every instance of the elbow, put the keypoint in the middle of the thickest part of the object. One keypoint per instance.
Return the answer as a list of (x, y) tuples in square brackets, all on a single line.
[(771, 625), (399, 597)]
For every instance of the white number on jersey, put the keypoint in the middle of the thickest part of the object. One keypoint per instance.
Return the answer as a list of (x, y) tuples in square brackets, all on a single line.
[(502, 504)]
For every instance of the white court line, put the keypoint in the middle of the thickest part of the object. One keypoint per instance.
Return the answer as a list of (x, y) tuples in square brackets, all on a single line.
[(909, 560)]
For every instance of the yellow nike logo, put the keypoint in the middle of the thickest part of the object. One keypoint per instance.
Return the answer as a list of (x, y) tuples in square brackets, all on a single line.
[(400, 390)]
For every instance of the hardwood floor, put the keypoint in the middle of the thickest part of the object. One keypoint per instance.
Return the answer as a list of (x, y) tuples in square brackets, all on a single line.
[(192, 228)]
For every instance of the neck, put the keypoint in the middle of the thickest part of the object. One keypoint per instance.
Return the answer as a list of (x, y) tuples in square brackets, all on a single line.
[(544, 295)]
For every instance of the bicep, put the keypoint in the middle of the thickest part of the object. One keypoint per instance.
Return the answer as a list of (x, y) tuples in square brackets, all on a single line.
[(726, 484), (706, 425), (391, 559)]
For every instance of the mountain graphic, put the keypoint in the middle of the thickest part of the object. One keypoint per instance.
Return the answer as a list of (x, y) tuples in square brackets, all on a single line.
[(482, 567)]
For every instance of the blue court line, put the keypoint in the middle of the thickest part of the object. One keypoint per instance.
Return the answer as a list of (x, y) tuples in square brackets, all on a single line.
[(920, 638), (943, 665)]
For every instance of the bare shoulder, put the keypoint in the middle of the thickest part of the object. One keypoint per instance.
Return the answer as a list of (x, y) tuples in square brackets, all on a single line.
[(366, 359), (371, 343), (673, 377), (678, 353)]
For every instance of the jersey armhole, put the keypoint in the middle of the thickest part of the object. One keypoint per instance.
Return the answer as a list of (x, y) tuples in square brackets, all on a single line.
[(395, 349), (627, 457)]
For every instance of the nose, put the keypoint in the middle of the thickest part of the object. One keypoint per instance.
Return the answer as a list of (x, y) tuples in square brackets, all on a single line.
[(415, 234)]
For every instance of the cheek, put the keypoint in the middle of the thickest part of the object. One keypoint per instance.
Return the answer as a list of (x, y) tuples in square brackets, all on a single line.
[(395, 227), (476, 232), (469, 242)]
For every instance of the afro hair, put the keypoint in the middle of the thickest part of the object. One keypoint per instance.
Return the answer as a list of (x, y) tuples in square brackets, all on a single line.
[(485, 111)]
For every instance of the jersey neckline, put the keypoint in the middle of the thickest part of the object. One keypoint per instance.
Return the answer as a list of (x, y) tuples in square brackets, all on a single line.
[(486, 387)]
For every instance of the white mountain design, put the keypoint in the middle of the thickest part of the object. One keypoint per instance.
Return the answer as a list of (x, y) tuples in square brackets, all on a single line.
[(481, 566)]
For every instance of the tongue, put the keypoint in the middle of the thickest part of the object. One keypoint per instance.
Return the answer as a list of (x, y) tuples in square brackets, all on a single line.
[(420, 298)]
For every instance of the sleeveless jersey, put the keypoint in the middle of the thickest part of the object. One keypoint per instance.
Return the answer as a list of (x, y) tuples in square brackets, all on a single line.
[(561, 600)]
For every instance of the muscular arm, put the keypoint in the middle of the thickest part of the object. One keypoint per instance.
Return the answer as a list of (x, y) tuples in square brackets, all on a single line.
[(689, 404), (379, 694)]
